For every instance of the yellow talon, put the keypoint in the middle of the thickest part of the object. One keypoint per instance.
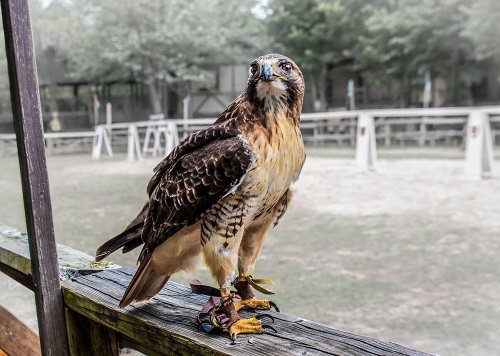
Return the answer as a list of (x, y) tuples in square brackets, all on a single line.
[(252, 303), (246, 326)]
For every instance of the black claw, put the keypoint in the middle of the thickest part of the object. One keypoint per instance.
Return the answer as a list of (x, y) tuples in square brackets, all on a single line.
[(202, 316), (262, 316), (265, 327), (273, 305), (206, 327)]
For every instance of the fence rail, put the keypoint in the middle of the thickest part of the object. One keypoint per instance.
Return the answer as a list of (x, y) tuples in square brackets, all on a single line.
[(392, 126), (423, 126)]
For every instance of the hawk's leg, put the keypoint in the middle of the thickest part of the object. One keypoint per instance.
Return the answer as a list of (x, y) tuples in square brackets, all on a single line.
[(232, 241), (249, 251), (224, 315), (243, 286), (221, 256)]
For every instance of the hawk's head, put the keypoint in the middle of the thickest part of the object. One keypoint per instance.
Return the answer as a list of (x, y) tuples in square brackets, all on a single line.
[(275, 82)]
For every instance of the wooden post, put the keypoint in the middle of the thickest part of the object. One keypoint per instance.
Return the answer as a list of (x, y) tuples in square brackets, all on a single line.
[(32, 161), (86, 337)]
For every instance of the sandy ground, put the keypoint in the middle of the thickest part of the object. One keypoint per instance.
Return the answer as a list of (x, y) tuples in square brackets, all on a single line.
[(407, 254)]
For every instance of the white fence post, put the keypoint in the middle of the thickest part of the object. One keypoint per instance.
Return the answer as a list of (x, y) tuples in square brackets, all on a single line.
[(479, 152), (171, 137), (101, 135), (154, 122), (185, 115), (366, 145), (134, 146), (109, 120)]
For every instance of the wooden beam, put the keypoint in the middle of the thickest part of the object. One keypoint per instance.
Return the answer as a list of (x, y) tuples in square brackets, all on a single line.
[(25, 99), (16, 338), (15, 259), (166, 324), (22, 278)]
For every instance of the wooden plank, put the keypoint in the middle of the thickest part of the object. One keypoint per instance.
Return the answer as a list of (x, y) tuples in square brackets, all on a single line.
[(25, 279), (15, 257), (166, 324), (87, 337), (16, 338), (127, 343), (25, 100)]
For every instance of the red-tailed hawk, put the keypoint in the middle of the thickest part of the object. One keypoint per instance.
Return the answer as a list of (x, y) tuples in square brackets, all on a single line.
[(219, 192)]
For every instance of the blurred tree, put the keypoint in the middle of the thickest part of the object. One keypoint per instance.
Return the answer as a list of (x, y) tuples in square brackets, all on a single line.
[(157, 41), (320, 35), (407, 37), (35, 8), (483, 27)]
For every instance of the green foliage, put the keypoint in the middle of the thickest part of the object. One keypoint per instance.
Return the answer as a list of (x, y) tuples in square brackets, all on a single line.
[(387, 42), (390, 42), (317, 32), (483, 27), (171, 41), (403, 41), (320, 35)]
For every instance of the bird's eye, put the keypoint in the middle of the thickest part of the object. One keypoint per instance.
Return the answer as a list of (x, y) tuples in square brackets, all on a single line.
[(253, 69), (286, 67)]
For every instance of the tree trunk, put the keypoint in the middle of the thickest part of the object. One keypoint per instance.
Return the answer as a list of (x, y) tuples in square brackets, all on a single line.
[(154, 96), (322, 87), (313, 87), (53, 107)]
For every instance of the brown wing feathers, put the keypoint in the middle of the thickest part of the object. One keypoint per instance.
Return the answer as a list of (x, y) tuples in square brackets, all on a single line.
[(191, 186), (199, 172)]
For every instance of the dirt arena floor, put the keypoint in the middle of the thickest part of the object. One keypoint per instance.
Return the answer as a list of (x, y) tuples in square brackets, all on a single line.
[(408, 254)]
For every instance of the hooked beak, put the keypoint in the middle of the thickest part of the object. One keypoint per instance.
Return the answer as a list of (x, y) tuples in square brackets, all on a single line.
[(267, 72)]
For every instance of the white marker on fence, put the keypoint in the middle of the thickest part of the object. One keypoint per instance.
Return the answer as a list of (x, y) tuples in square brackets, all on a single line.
[(479, 153), (366, 146)]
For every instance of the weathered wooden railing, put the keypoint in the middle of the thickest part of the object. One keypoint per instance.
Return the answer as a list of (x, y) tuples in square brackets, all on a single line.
[(166, 324)]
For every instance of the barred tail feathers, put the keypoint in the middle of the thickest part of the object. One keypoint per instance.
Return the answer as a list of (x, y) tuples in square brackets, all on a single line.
[(145, 284)]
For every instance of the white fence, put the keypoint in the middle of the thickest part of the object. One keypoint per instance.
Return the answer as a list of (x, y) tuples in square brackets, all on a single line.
[(392, 126), (397, 126)]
